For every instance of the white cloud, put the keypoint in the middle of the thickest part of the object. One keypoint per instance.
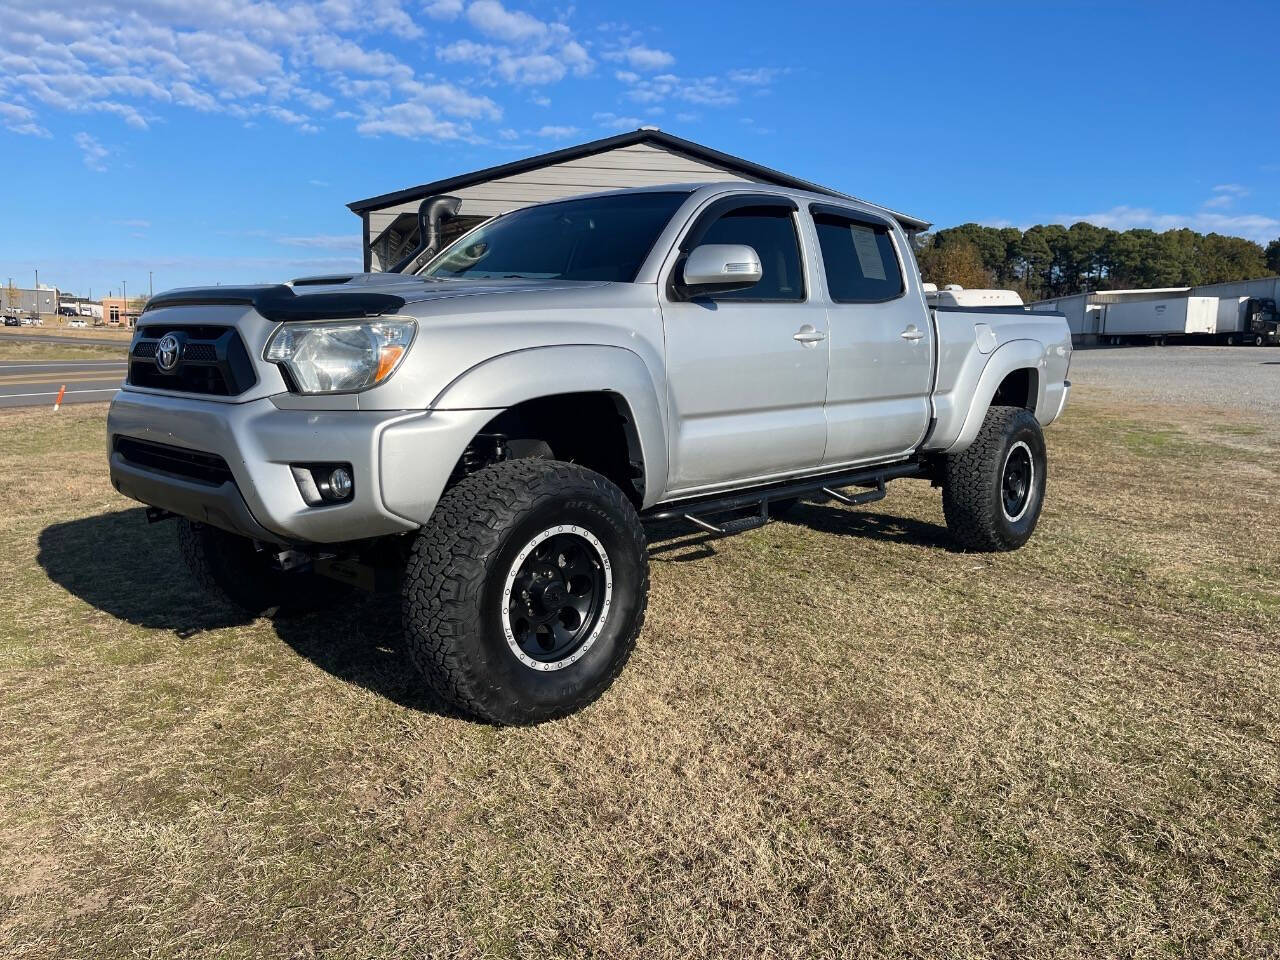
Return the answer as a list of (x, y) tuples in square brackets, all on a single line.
[(468, 51), (536, 69), (1225, 194), (1254, 226), (95, 154), (295, 63), (452, 100), (411, 120), (135, 224), (755, 77), (555, 133), (443, 9), (575, 57), (334, 53), (642, 58), (514, 26), (324, 241), (705, 91), (20, 119), (611, 121)]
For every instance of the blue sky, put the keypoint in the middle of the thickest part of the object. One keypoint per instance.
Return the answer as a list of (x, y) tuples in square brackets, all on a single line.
[(219, 141)]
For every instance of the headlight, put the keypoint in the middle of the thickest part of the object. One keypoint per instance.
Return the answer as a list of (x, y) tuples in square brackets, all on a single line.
[(342, 356)]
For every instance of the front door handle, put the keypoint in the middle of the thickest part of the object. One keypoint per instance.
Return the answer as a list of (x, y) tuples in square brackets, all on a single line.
[(912, 333), (807, 334)]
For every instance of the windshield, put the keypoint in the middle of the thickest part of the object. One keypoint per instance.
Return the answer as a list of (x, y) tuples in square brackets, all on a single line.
[(596, 238)]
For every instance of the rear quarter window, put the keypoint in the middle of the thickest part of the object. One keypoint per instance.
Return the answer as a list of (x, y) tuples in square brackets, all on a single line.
[(860, 261)]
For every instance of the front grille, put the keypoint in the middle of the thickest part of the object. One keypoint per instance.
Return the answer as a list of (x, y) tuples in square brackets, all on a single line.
[(194, 465), (211, 360)]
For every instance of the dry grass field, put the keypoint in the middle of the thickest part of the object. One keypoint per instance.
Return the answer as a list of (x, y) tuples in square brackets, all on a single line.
[(837, 737), (16, 349)]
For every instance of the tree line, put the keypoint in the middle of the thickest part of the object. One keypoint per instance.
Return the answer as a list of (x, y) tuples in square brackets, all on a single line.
[(1053, 260)]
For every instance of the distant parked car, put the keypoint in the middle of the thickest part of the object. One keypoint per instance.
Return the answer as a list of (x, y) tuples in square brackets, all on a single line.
[(78, 323), (27, 321), (12, 321)]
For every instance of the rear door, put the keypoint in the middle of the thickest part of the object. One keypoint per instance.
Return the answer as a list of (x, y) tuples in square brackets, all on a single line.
[(747, 370), (882, 342)]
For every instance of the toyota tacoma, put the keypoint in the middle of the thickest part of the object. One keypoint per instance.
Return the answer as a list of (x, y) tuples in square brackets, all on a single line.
[(490, 433)]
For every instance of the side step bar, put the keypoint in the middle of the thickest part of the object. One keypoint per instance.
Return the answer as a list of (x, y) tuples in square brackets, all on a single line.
[(696, 510)]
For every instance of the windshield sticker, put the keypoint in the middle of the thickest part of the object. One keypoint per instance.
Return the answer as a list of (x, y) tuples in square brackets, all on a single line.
[(869, 259)]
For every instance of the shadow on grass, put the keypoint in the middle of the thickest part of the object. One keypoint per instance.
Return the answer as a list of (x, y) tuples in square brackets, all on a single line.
[(130, 569), (674, 541)]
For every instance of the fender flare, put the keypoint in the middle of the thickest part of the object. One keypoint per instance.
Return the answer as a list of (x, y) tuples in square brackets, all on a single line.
[(1004, 360), (501, 382)]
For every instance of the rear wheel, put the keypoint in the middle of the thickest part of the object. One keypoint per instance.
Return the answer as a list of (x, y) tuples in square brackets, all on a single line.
[(233, 568), (993, 491), (525, 592)]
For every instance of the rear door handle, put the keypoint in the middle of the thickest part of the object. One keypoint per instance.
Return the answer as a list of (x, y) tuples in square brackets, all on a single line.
[(807, 334), (912, 333)]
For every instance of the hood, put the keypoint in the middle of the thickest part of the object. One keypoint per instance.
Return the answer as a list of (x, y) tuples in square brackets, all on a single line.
[(350, 295)]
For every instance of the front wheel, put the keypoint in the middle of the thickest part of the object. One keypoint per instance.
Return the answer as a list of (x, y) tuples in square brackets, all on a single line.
[(525, 592), (993, 491)]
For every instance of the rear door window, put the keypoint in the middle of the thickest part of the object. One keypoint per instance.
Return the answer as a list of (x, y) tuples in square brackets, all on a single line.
[(858, 256)]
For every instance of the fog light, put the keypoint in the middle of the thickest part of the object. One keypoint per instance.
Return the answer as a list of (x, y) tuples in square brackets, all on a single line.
[(339, 484), (324, 483)]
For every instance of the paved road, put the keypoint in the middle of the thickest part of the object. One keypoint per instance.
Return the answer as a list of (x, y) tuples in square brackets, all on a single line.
[(25, 383), (66, 339)]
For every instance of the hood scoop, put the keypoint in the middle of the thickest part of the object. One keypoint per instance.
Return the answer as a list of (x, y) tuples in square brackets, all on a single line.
[(280, 303)]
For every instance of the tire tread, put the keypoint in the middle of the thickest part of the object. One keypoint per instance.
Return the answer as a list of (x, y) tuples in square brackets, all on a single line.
[(448, 565)]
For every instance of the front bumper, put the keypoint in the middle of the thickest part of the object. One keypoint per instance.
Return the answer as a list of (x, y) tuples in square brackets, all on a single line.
[(259, 441)]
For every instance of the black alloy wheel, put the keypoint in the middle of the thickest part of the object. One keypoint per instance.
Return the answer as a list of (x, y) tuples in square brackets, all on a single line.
[(1017, 481), (556, 597)]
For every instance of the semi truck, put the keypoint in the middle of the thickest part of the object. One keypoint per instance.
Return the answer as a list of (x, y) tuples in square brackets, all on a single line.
[(1248, 320)]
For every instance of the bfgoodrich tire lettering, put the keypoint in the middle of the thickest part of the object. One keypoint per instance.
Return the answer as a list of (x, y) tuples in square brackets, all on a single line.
[(455, 602), (993, 491)]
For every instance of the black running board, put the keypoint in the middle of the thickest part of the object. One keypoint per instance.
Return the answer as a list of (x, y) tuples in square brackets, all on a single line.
[(696, 510)]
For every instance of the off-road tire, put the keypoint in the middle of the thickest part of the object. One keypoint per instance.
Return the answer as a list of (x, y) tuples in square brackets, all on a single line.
[(229, 566), (972, 490), (453, 594)]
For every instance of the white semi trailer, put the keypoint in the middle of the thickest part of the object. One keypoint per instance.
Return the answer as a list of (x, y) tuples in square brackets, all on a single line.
[(1158, 320)]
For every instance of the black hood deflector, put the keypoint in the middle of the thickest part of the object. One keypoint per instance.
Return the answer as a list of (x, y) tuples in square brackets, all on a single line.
[(280, 303)]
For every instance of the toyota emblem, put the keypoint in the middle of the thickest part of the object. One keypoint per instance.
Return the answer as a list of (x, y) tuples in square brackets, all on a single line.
[(167, 351)]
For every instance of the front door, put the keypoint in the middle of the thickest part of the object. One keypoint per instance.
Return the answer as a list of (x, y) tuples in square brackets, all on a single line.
[(747, 370)]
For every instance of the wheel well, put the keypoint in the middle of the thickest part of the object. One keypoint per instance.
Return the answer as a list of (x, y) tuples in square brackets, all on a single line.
[(1019, 389), (595, 430)]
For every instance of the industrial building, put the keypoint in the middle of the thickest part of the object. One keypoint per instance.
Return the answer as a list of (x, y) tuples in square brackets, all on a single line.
[(639, 158), (28, 301)]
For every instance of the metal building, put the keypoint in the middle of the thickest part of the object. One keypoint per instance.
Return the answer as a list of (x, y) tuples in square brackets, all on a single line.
[(28, 302), (394, 222)]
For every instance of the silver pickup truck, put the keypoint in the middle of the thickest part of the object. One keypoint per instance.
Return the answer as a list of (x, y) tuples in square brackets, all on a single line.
[(495, 428)]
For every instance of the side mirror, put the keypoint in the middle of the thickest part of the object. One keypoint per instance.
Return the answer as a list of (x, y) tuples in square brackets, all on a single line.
[(720, 268)]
